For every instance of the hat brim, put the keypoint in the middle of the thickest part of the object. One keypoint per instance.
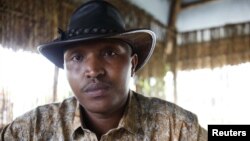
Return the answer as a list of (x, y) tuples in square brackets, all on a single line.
[(142, 40)]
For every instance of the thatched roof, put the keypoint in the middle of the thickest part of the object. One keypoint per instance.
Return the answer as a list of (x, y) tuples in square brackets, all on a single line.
[(25, 24), (214, 47)]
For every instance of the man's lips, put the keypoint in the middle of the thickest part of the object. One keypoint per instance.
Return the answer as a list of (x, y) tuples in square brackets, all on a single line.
[(96, 89)]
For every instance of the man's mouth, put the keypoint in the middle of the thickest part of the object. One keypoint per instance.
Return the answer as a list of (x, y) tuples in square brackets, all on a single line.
[(96, 89)]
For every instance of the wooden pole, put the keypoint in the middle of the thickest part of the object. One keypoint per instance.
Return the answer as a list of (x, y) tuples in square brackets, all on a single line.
[(2, 107), (56, 73), (171, 41), (56, 70)]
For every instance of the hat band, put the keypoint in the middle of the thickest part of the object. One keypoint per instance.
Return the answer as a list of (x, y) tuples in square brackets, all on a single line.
[(84, 31)]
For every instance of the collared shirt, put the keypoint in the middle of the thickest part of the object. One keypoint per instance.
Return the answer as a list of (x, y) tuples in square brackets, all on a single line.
[(144, 119)]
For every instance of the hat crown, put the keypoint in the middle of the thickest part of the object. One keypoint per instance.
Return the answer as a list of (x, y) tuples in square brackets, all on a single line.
[(95, 17)]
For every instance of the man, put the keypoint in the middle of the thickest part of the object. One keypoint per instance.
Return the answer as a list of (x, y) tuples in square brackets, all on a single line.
[(99, 57)]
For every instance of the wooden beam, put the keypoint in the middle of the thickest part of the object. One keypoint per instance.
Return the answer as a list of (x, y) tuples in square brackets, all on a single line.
[(195, 3), (171, 40), (55, 83)]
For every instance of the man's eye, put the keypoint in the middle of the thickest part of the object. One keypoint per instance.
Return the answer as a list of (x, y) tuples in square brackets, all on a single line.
[(77, 58), (110, 53)]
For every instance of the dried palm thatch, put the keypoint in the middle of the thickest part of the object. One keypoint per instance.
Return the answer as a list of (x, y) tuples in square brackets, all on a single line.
[(214, 47), (26, 24)]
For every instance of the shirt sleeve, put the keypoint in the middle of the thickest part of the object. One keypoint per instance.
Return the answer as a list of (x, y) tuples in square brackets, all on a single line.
[(16, 130), (2, 133), (202, 136)]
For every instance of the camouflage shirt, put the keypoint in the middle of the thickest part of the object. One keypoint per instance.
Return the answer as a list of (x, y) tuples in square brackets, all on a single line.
[(144, 119)]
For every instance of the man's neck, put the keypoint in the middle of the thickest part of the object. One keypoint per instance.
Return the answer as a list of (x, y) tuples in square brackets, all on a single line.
[(100, 123), (101, 126)]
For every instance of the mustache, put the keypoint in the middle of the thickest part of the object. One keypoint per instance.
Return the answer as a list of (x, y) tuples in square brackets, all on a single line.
[(95, 85)]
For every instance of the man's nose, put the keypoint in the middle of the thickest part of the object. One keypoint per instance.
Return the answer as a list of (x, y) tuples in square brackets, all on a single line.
[(93, 67)]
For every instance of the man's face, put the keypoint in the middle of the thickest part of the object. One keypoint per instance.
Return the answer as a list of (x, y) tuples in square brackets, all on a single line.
[(99, 73)]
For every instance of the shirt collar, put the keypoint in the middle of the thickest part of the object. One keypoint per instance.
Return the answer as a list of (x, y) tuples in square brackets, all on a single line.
[(77, 119), (131, 117)]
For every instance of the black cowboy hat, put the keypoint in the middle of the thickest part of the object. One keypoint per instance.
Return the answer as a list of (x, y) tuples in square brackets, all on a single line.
[(98, 19)]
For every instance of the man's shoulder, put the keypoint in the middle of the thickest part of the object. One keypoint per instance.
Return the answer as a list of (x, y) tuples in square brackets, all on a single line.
[(51, 107), (42, 120), (157, 106), (45, 112)]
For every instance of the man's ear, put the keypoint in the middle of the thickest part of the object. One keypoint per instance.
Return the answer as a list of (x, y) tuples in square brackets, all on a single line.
[(134, 62)]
